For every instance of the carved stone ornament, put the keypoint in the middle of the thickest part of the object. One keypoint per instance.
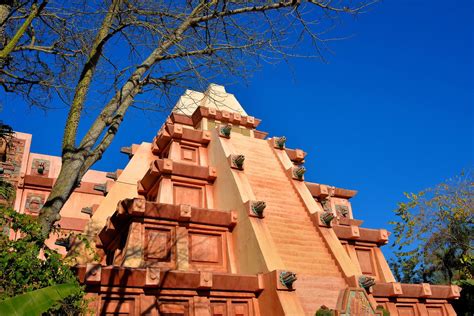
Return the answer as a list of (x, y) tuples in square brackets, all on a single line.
[(258, 207), (342, 210), (238, 161), (225, 130), (327, 217), (298, 172), (280, 142), (366, 282), (287, 278)]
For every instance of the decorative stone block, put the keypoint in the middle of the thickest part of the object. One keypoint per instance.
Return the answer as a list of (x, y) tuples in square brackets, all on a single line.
[(225, 115), (250, 120), (324, 191), (454, 291), (355, 233), (34, 202), (206, 136), (326, 218), (225, 130), (256, 208), (236, 117), (40, 167), (212, 112), (237, 161), (233, 219), (167, 165), (152, 276), (93, 273), (184, 213), (138, 206), (279, 142), (396, 289), (205, 280), (299, 155), (383, 236), (298, 173), (366, 282), (212, 173), (425, 290), (176, 130), (287, 278)]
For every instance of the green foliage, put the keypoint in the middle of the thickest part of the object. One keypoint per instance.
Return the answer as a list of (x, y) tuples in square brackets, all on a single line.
[(26, 265), (5, 131), (7, 191), (383, 310), (324, 311), (37, 302), (433, 236)]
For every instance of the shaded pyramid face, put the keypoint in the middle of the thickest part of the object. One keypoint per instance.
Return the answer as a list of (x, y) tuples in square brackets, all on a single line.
[(213, 218)]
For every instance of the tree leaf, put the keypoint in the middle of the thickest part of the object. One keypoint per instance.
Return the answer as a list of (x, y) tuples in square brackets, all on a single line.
[(36, 302)]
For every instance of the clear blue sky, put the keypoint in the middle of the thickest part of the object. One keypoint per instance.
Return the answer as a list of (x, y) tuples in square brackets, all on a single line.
[(391, 111)]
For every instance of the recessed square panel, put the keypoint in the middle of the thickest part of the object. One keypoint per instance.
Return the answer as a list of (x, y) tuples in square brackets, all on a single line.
[(173, 308), (218, 309), (406, 310), (205, 248), (240, 309), (117, 307), (188, 154), (435, 310), (158, 244), (189, 195), (365, 261)]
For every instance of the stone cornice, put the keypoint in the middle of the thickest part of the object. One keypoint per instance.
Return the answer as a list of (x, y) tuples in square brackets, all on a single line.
[(353, 232), (423, 290), (138, 208), (93, 274), (322, 191), (34, 182), (161, 167), (212, 113), (177, 132)]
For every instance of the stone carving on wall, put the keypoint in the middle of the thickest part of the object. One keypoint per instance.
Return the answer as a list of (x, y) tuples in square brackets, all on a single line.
[(342, 210), (40, 167), (34, 202), (355, 302), (11, 164)]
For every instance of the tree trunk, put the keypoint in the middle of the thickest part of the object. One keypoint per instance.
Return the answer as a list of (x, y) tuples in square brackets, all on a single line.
[(67, 181), (5, 9)]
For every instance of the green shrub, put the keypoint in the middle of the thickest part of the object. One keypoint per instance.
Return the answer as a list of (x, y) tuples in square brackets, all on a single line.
[(27, 265)]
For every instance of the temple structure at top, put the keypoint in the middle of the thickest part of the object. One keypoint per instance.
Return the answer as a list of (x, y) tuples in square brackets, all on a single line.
[(214, 218)]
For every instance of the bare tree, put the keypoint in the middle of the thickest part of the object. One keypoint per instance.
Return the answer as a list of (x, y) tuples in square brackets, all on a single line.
[(137, 50), (37, 48)]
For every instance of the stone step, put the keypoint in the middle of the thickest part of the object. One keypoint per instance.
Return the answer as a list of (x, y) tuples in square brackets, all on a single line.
[(314, 291), (304, 234), (285, 243), (283, 218), (312, 268)]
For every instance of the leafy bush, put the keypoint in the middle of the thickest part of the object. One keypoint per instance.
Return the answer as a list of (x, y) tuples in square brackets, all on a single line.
[(27, 265)]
